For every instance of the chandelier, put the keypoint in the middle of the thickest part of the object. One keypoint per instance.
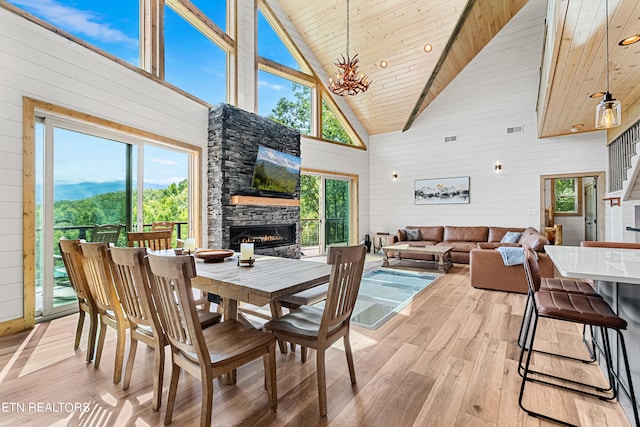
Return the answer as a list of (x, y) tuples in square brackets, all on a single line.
[(347, 80), (608, 110)]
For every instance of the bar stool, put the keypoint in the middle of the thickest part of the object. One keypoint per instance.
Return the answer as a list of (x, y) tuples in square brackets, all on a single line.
[(562, 285), (577, 308)]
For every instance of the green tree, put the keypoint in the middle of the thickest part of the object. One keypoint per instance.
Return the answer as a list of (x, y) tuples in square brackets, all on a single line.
[(296, 114)]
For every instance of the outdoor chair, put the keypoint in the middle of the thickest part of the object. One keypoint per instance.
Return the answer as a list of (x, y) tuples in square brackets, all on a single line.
[(109, 233)]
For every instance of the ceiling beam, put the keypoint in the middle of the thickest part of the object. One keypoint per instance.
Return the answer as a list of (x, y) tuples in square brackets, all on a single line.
[(479, 22)]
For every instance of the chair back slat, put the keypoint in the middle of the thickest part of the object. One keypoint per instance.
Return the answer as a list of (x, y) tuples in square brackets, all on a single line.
[(72, 259), (154, 240), (344, 283), (172, 292), (132, 284), (96, 266)]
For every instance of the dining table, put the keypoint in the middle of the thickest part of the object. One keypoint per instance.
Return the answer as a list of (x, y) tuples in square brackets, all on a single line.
[(616, 274), (263, 283)]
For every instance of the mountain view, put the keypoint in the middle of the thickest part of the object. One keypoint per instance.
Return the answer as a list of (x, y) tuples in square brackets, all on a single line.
[(83, 190)]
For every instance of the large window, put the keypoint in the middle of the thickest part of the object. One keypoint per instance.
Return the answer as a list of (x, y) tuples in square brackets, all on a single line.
[(88, 176), (289, 92), (112, 26), (192, 61), (285, 102)]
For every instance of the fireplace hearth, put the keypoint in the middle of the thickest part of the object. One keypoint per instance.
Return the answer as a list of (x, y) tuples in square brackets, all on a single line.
[(262, 236)]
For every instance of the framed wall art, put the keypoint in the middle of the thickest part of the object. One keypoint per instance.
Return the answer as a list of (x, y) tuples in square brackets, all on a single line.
[(441, 191)]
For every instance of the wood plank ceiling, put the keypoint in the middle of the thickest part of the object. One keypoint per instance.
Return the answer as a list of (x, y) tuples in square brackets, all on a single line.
[(397, 31)]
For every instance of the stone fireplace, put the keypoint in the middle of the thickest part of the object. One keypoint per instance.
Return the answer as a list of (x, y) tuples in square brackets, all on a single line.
[(234, 138)]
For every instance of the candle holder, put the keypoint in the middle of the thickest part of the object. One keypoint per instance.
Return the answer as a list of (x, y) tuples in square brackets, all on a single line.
[(248, 261)]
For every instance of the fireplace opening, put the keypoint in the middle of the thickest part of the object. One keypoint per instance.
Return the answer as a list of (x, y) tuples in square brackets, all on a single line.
[(262, 236)]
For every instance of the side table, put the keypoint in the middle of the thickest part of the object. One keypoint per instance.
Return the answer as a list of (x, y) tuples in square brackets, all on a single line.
[(380, 239)]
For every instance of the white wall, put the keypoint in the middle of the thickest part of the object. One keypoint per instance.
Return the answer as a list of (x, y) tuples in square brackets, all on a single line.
[(497, 90)]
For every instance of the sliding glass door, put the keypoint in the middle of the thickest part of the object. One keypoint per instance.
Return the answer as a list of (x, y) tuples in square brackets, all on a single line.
[(325, 212), (87, 176)]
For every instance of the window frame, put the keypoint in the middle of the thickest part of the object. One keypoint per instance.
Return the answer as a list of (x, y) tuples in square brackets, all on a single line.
[(33, 108), (577, 182), (318, 91)]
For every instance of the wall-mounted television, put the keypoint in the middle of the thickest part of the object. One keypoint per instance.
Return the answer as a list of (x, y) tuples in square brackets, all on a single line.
[(275, 172)]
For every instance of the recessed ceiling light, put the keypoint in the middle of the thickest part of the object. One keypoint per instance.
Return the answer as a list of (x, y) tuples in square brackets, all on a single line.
[(428, 47), (383, 63), (596, 95), (575, 128), (629, 40)]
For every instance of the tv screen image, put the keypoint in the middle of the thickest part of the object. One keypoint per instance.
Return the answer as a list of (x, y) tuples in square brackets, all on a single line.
[(275, 171)]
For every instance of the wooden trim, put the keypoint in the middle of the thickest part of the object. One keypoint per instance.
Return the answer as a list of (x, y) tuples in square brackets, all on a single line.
[(13, 326), (202, 23), (284, 71), (30, 106), (613, 201), (341, 144), (29, 213), (263, 201)]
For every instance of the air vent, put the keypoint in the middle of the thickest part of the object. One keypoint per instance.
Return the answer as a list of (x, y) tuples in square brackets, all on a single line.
[(452, 138), (515, 129)]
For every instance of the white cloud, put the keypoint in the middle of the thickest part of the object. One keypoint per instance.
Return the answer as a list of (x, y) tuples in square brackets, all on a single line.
[(75, 20), (163, 161), (271, 86)]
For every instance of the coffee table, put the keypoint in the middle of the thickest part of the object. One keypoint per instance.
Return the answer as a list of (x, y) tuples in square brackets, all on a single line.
[(442, 264)]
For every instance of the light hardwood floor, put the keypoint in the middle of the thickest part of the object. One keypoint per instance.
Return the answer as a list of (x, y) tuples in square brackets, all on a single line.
[(448, 359)]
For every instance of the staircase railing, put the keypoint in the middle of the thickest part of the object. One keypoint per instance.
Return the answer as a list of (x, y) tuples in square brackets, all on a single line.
[(621, 150)]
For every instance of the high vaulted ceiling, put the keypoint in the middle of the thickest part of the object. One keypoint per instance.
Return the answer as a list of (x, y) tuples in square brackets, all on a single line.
[(397, 31)]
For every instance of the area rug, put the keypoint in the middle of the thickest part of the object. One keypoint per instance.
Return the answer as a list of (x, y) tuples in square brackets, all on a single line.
[(384, 292)]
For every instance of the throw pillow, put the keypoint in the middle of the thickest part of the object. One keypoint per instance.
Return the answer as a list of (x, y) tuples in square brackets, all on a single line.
[(412, 235), (511, 237)]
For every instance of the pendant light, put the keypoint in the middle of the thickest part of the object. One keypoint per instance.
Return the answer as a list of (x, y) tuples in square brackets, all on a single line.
[(608, 110), (347, 80)]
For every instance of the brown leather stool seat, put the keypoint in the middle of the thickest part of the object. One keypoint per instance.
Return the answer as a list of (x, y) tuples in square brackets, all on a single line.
[(589, 310), (567, 285), (577, 308)]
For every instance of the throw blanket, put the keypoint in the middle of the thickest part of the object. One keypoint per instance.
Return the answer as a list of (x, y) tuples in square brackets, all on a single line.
[(511, 255)]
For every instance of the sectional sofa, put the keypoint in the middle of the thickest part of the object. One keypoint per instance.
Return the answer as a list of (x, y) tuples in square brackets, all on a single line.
[(476, 245)]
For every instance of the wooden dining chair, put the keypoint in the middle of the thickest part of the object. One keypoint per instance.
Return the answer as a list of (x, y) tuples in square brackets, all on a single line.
[(154, 240), (163, 225), (132, 284), (96, 266), (72, 259), (204, 354), (319, 328)]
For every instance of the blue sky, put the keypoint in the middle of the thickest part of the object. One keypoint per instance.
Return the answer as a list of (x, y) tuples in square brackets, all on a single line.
[(114, 27)]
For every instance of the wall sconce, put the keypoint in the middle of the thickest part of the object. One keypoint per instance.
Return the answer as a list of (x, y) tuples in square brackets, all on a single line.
[(497, 167), (394, 175)]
